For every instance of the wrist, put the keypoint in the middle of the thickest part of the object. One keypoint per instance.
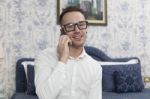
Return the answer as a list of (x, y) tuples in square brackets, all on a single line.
[(64, 60)]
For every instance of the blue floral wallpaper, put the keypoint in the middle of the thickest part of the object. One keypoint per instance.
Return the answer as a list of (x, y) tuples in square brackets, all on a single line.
[(29, 26)]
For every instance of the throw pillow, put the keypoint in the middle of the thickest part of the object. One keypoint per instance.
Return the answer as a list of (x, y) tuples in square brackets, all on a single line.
[(21, 82), (25, 64), (110, 67), (30, 80), (128, 81)]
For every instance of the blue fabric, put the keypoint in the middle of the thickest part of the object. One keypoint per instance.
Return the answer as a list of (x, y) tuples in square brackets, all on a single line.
[(145, 94), (30, 82), (20, 79), (97, 54), (23, 96), (108, 83), (21, 82), (128, 81)]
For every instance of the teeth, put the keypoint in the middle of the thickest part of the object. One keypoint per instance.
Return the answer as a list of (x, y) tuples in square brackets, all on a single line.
[(77, 37)]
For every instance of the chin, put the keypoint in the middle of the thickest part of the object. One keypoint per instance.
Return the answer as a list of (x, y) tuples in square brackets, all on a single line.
[(77, 45)]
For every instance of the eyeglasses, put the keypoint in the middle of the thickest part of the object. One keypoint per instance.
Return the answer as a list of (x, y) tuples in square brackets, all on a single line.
[(71, 26)]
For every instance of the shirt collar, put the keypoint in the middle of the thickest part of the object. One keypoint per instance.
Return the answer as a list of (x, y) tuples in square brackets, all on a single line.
[(82, 55)]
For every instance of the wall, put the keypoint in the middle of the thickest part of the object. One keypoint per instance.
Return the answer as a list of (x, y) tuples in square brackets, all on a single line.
[(29, 26)]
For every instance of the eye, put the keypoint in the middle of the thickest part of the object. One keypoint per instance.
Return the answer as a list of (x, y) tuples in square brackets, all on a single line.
[(82, 23), (69, 26)]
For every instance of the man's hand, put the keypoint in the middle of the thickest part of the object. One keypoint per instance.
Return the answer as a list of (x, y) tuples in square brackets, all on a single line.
[(63, 48)]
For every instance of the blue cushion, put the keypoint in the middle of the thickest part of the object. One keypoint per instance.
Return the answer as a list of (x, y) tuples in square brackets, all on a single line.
[(145, 94), (21, 82), (107, 74), (30, 81), (23, 96), (20, 78), (128, 80), (97, 54)]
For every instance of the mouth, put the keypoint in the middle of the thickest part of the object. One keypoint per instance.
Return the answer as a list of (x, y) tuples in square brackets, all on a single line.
[(77, 37)]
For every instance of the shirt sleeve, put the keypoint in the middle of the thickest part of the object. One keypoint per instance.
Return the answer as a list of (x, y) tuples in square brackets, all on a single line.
[(48, 80), (96, 87)]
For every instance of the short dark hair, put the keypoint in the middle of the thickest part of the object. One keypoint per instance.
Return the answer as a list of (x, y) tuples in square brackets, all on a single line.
[(70, 9)]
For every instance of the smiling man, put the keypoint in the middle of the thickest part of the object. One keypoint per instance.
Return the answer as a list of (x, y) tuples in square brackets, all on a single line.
[(68, 72)]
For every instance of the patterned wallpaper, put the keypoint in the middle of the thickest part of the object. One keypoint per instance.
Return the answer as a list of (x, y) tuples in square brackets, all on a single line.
[(29, 26)]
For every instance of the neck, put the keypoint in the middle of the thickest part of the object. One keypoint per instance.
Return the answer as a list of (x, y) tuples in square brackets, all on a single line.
[(75, 52)]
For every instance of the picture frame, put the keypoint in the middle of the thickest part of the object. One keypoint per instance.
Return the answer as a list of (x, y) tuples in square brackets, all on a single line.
[(95, 10)]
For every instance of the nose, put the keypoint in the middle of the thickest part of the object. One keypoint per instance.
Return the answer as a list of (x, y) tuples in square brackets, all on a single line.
[(76, 28)]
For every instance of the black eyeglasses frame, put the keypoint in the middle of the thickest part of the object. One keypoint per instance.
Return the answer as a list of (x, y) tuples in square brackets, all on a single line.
[(75, 24)]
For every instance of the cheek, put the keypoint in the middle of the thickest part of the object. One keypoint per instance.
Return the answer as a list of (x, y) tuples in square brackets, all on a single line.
[(69, 34), (84, 33)]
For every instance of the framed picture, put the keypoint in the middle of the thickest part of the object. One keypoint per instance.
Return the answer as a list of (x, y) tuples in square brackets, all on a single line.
[(95, 10)]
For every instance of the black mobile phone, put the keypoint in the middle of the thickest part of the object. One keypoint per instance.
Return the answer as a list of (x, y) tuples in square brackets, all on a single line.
[(62, 31)]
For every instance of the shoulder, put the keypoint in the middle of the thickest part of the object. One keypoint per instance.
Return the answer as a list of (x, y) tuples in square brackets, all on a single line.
[(93, 67), (92, 62)]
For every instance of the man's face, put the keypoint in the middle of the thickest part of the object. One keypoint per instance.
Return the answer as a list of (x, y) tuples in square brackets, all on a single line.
[(74, 26)]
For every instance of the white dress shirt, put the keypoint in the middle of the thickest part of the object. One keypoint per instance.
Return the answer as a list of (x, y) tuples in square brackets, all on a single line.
[(79, 78)]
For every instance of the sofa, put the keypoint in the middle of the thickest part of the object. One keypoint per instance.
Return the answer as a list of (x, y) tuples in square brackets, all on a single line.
[(115, 82)]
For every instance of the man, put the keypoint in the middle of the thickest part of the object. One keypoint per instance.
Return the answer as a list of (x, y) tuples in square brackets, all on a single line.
[(68, 72)]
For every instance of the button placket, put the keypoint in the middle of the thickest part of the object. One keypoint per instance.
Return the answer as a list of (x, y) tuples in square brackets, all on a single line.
[(74, 77)]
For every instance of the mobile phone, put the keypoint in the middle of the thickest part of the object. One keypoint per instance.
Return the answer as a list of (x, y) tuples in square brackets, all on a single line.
[(62, 31)]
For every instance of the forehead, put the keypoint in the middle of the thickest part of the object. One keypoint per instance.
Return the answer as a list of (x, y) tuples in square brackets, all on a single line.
[(72, 17)]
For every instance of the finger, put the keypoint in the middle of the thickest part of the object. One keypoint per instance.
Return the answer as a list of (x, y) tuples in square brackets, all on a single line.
[(69, 41), (65, 38), (61, 38), (63, 41)]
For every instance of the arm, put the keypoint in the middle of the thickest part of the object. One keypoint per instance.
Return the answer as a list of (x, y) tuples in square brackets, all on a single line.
[(49, 76), (50, 70), (96, 87)]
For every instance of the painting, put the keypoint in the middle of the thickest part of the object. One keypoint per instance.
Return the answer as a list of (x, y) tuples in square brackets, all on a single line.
[(95, 10)]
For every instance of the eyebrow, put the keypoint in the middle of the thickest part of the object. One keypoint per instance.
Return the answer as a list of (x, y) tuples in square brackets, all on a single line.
[(70, 23), (73, 23)]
